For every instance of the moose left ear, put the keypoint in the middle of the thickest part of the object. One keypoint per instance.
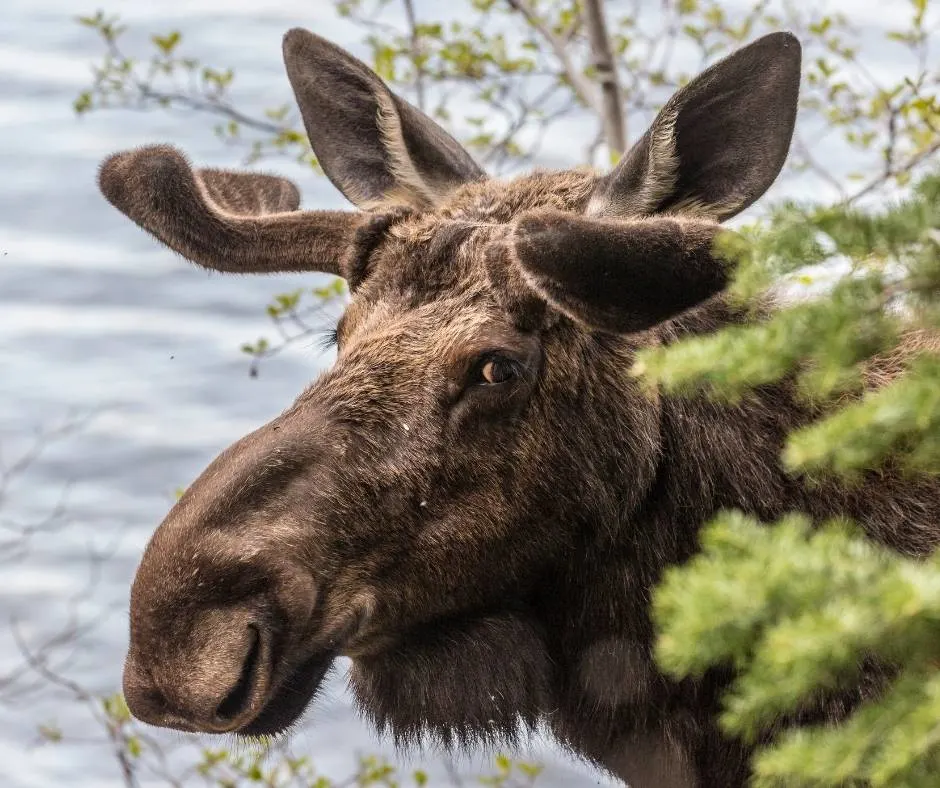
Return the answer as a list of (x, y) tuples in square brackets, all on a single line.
[(619, 276), (374, 146), (718, 144)]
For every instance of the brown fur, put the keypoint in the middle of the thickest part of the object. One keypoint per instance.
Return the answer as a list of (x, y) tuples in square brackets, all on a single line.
[(476, 501), (229, 221)]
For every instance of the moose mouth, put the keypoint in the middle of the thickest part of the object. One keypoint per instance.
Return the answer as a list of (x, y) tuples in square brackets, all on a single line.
[(290, 699)]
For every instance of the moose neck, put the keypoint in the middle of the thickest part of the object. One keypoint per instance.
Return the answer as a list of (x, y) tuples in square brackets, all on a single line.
[(614, 706), (612, 700)]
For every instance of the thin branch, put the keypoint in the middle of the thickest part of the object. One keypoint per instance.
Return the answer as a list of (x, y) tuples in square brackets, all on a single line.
[(211, 106), (581, 85), (910, 164), (612, 116), (594, 146), (415, 52), (118, 742)]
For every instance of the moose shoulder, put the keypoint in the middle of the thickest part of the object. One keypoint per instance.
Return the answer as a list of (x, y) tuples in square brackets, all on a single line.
[(475, 501)]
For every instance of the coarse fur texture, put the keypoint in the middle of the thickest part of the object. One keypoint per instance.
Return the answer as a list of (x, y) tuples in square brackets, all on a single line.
[(475, 502)]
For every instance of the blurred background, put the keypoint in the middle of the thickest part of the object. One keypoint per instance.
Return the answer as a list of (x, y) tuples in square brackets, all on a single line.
[(123, 370)]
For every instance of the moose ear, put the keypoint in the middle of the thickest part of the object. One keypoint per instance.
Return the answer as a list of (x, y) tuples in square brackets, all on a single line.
[(375, 147), (619, 276), (237, 222), (718, 144)]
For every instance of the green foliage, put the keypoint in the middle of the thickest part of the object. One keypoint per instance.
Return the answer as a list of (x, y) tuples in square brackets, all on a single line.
[(886, 303), (267, 762), (271, 767), (504, 72), (902, 419), (166, 79), (293, 315), (795, 608)]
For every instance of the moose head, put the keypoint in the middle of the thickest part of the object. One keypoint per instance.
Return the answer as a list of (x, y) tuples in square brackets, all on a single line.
[(431, 505)]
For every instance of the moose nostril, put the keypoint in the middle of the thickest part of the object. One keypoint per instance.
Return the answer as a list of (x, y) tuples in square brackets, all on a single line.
[(239, 696)]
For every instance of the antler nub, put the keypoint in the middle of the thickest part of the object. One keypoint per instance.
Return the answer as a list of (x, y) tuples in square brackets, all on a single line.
[(237, 222)]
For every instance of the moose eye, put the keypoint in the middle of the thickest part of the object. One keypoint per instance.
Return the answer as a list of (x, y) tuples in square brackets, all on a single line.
[(497, 370), (495, 387)]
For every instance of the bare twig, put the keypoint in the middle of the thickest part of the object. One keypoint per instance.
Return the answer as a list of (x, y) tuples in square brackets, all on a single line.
[(116, 736), (211, 106), (611, 109), (293, 327), (415, 52), (582, 86), (907, 166)]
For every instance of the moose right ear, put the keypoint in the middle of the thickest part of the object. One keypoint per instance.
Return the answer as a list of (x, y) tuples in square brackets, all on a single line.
[(375, 147), (619, 276), (718, 144)]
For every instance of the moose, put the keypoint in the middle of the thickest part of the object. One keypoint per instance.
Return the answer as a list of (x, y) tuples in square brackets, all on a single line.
[(476, 500)]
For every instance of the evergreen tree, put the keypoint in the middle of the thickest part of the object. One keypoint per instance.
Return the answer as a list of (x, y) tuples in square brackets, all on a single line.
[(797, 608)]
